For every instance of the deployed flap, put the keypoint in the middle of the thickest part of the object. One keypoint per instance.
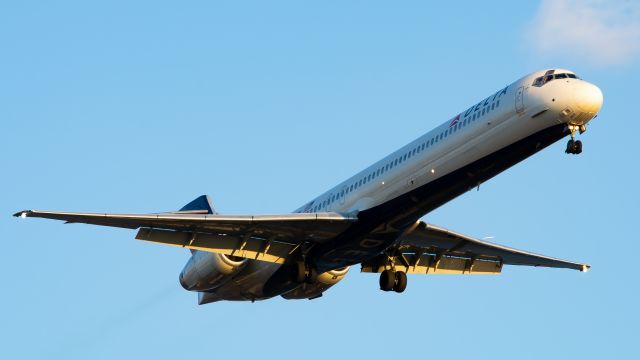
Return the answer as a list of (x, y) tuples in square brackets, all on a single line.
[(431, 248), (273, 249)]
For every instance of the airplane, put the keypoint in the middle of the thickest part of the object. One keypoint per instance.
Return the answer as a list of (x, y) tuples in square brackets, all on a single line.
[(374, 217)]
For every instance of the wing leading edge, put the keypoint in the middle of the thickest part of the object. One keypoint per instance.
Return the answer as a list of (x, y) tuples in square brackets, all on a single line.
[(263, 237)]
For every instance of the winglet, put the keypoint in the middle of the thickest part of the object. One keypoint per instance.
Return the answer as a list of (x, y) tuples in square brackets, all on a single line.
[(585, 268)]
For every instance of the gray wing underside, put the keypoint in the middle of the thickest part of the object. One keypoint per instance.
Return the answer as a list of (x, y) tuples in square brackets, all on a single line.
[(430, 248), (269, 238)]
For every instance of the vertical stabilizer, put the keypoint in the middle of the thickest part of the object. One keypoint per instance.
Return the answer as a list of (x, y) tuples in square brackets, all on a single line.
[(199, 205), (202, 202)]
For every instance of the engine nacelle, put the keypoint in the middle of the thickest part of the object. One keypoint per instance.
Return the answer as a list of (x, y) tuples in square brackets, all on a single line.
[(324, 282), (206, 271)]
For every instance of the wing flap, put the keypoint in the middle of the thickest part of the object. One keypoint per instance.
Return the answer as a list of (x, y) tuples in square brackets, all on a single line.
[(434, 249), (269, 250), (435, 264)]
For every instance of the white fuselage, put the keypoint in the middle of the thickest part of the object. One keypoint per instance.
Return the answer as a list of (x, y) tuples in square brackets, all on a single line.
[(518, 111), (486, 127)]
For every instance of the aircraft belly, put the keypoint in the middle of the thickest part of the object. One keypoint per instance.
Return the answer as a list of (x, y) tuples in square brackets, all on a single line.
[(249, 283), (379, 226)]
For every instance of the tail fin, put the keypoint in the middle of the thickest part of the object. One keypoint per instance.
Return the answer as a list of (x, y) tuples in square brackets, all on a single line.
[(199, 205)]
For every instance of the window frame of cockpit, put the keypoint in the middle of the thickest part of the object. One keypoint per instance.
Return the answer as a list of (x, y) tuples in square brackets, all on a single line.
[(540, 81)]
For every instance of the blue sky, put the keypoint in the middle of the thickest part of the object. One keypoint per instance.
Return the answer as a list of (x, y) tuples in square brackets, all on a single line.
[(121, 107)]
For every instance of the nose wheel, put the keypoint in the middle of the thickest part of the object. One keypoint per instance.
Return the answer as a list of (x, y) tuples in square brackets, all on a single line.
[(575, 146)]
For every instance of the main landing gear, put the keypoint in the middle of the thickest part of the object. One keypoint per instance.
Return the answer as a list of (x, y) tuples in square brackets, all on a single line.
[(393, 280), (575, 146), (304, 273)]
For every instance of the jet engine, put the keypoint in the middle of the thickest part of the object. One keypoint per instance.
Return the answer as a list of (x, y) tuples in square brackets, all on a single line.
[(315, 290), (206, 271)]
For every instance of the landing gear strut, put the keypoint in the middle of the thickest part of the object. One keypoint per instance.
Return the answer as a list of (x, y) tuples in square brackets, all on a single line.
[(575, 146), (393, 280), (304, 273)]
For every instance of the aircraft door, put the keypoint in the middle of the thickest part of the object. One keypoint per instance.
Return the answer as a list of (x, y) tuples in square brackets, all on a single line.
[(520, 99), (343, 195)]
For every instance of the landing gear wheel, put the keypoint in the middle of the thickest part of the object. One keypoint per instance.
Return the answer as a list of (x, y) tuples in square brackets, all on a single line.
[(387, 280), (570, 146), (578, 145), (401, 282), (575, 146)]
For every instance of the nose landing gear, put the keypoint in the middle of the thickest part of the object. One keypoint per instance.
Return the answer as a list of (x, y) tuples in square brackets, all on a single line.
[(575, 146)]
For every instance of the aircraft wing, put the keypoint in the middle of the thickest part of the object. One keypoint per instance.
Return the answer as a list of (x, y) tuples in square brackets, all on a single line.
[(263, 237), (429, 248)]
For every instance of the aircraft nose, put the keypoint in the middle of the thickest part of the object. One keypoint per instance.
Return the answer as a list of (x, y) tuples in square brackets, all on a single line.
[(589, 98)]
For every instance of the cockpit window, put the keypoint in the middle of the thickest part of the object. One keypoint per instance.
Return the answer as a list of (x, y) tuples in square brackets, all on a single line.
[(541, 80), (538, 81)]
